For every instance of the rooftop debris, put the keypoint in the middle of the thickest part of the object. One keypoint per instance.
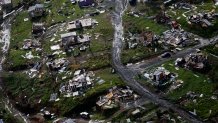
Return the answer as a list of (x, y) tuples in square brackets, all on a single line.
[(195, 61), (202, 19), (76, 86), (60, 64), (31, 44), (115, 97)]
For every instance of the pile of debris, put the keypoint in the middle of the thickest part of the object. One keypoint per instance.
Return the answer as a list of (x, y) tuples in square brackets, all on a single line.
[(162, 18), (31, 44), (81, 81), (59, 64), (115, 97), (145, 38), (182, 5), (202, 19), (195, 61), (176, 38)]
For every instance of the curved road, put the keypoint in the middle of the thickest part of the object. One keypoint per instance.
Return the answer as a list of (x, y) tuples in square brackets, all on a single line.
[(128, 74)]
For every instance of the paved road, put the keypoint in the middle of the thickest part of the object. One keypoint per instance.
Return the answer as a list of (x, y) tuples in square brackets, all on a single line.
[(128, 74), (158, 60)]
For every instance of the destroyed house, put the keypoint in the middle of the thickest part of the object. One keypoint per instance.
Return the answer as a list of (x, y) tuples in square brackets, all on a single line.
[(30, 43), (36, 11), (115, 97), (83, 39), (196, 62), (69, 39), (38, 29), (206, 23), (85, 3), (57, 64), (76, 86)]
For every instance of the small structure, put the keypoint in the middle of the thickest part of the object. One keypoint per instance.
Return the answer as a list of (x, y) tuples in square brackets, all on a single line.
[(79, 24), (85, 3), (86, 23), (38, 29), (161, 75), (53, 97), (74, 25), (68, 39), (36, 11)]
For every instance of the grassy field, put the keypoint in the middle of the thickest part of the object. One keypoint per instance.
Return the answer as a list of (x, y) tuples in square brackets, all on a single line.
[(199, 84), (213, 49), (137, 54), (19, 85), (139, 24), (22, 30)]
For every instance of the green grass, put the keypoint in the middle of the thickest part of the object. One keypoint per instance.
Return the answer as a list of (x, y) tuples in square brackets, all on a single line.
[(18, 85), (20, 29), (97, 62), (134, 24), (105, 28), (140, 53), (213, 49), (69, 11), (199, 85), (66, 105)]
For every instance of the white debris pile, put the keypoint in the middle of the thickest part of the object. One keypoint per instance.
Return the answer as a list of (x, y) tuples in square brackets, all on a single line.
[(117, 96), (176, 85), (81, 81), (59, 65), (33, 72), (29, 55)]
